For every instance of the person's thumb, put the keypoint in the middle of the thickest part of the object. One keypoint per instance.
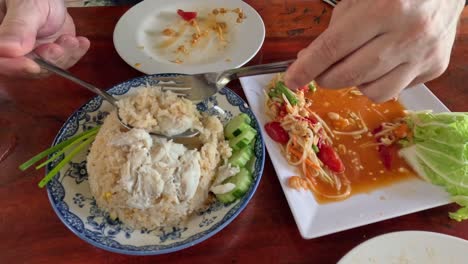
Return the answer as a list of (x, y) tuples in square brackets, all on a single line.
[(19, 28)]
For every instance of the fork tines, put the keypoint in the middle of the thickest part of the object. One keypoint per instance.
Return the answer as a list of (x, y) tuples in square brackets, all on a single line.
[(173, 84), (176, 79), (179, 91), (332, 2)]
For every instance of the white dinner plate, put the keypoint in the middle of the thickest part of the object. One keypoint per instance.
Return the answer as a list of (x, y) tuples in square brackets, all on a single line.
[(138, 37), (409, 247), (314, 219)]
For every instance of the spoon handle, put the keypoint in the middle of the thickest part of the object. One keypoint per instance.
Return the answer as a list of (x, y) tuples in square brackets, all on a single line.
[(52, 68)]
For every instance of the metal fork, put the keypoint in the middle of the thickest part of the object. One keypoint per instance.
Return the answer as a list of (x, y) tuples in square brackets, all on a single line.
[(197, 87)]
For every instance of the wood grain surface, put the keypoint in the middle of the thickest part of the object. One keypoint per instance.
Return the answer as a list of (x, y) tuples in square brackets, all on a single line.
[(32, 111)]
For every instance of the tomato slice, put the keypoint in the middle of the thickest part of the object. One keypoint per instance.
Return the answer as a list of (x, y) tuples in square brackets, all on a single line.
[(187, 16), (330, 158), (277, 132)]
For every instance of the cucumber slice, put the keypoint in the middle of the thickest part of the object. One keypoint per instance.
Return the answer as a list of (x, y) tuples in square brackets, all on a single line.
[(252, 144), (244, 117), (237, 125), (250, 166), (226, 198), (242, 180), (235, 129), (241, 157), (242, 140)]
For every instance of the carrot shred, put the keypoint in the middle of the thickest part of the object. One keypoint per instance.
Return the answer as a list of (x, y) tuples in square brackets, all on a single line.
[(298, 155)]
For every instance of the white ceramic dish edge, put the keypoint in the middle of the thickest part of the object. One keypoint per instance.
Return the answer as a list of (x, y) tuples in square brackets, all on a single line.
[(408, 247), (389, 202)]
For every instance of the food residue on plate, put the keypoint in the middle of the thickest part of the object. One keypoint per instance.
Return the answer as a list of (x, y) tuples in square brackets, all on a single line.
[(193, 35), (178, 61)]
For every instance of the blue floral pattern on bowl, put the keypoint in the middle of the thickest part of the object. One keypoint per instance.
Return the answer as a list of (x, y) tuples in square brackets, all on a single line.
[(70, 195)]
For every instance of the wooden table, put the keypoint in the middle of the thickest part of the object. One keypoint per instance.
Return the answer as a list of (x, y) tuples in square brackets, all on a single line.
[(31, 112)]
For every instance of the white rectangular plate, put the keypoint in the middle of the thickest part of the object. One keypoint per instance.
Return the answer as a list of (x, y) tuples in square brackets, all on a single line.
[(315, 220)]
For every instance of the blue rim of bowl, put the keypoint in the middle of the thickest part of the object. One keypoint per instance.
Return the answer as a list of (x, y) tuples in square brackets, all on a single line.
[(243, 107)]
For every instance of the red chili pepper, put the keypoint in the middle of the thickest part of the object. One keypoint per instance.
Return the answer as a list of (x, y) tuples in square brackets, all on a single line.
[(277, 132), (304, 88), (312, 120), (187, 16), (377, 130), (386, 155), (309, 119), (330, 158), (282, 111)]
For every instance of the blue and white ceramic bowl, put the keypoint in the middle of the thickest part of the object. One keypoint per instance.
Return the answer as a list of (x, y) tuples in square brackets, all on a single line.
[(70, 195)]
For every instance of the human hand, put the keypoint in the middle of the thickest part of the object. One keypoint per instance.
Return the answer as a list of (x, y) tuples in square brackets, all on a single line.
[(42, 26), (380, 46)]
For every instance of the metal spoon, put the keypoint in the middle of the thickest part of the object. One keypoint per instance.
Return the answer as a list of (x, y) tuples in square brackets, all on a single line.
[(108, 97)]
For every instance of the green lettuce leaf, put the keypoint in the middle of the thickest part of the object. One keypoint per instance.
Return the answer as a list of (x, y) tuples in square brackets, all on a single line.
[(439, 153)]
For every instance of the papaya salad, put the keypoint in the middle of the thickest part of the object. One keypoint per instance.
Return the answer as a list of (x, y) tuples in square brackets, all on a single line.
[(343, 143), (307, 141), (329, 136)]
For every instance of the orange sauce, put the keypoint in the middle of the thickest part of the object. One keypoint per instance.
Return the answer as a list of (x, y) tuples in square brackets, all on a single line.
[(364, 167)]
